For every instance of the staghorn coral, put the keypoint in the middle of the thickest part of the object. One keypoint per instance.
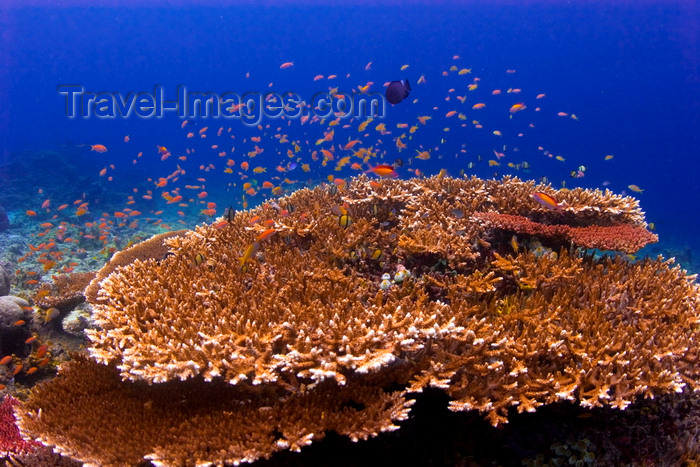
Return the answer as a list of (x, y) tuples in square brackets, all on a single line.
[(305, 321)]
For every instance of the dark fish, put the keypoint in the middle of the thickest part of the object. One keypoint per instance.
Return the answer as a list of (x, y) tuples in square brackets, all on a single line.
[(230, 214), (397, 91), (398, 163)]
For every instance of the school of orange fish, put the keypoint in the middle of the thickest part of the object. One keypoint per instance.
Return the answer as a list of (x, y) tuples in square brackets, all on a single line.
[(293, 153)]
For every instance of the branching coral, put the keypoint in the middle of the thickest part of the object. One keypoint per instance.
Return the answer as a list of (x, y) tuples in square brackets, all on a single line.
[(309, 323)]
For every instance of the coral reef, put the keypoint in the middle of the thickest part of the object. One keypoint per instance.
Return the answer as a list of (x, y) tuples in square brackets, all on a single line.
[(4, 282), (13, 310), (62, 297), (307, 321), (4, 220)]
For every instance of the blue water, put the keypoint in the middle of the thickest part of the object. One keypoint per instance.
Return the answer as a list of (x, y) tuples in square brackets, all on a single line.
[(628, 71)]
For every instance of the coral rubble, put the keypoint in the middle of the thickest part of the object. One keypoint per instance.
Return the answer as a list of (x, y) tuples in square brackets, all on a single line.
[(232, 343)]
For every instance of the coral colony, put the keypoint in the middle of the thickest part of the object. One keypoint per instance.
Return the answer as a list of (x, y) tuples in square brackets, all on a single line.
[(328, 310)]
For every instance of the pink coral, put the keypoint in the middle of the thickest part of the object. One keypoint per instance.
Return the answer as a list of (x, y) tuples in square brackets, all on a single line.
[(627, 238), (11, 442)]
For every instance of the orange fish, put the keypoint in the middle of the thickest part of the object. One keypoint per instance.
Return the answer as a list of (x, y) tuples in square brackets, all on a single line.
[(286, 65), (383, 170), (546, 200), (351, 144), (6, 360), (517, 107), (41, 351), (98, 148), (266, 234), (31, 213)]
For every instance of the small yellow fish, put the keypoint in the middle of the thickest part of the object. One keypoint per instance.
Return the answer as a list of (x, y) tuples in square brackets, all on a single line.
[(609, 157), (424, 155), (364, 124), (514, 243), (199, 259), (259, 170), (249, 253), (344, 220), (51, 313), (635, 188)]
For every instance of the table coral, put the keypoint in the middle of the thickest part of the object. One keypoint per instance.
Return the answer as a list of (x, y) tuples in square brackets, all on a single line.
[(308, 321)]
